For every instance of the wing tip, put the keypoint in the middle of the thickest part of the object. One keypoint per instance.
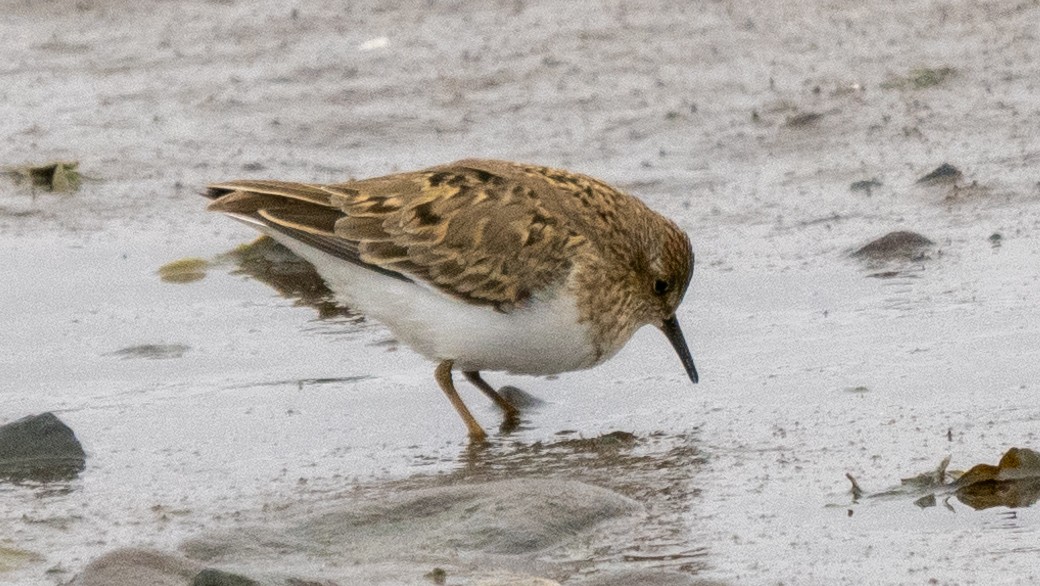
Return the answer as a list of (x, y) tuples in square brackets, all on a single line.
[(214, 193)]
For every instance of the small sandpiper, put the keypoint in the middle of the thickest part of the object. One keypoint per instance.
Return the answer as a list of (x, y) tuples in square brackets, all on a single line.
[(484, 265)]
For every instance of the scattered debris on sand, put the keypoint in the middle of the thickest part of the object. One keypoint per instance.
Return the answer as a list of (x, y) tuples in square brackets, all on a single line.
[(57, 176)]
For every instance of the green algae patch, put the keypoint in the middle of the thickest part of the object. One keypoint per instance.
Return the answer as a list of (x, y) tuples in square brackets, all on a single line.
[(12, 558), (57, 176), (185, 270), (921, 78)]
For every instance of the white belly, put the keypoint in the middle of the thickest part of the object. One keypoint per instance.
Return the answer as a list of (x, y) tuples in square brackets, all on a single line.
[(542, 338)]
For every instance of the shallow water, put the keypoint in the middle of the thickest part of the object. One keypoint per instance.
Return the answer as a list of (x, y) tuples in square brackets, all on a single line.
[(205, 404)]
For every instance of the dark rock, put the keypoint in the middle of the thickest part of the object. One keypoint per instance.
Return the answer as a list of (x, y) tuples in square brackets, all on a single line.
[(895, 246), (945, 173), (211, 577), (39, 448)]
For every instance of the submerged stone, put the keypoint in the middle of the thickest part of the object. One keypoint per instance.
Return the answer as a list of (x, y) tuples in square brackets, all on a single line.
[(480, 533), (508, 517)]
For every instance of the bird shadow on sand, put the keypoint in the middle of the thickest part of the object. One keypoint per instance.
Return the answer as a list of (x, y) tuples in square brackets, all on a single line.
[(270, 263)]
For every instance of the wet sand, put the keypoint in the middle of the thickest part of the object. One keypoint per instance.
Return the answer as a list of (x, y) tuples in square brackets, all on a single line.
[(747, 124)]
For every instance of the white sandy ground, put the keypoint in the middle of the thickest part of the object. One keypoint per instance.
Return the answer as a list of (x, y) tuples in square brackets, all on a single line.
[(157, 99)]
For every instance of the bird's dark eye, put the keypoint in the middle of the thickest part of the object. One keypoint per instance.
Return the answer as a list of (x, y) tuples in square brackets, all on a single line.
[(661, 286)]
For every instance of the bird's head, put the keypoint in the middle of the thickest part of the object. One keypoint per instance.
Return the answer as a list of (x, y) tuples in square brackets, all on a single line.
[(669, 266)]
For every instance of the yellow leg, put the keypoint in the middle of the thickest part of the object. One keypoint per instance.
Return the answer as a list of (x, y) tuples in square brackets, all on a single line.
[(443, 376), (508, 409)]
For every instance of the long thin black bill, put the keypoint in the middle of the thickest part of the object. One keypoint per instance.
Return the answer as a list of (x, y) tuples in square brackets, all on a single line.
[(670, 327)]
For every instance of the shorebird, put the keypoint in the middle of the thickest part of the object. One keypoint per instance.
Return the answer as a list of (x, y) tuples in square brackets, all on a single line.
[(483, 265)]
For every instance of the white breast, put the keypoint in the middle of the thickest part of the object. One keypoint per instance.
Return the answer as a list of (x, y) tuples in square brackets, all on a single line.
[(544, 337)]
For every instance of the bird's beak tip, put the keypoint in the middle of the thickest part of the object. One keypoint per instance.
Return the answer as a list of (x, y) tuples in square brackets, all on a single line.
[(671, 330)]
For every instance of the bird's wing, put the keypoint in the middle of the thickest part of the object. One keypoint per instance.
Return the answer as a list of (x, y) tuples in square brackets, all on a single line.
[(477, 230), (300, 211)]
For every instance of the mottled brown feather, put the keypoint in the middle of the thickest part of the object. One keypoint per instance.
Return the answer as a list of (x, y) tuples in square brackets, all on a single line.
[(488, 232)]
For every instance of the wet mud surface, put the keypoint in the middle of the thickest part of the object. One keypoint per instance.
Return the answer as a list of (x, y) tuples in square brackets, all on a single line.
[(782, 138)]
